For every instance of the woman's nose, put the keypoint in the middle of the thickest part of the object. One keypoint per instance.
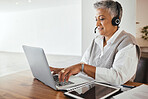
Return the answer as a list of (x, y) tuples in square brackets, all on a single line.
[(98, 23)]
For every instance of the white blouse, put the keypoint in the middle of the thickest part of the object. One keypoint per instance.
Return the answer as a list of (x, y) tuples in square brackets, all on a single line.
[(124, 66)]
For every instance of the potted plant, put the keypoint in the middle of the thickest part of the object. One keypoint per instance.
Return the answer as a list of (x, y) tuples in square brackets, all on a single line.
[(144, 32)]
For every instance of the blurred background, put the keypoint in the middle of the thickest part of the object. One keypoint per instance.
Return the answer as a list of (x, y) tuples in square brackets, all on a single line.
[(63, 28)]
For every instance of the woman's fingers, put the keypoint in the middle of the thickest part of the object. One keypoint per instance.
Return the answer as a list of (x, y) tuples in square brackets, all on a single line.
[(68, 76), (65, 74), (55, 70), (62, 74), (51, 68)]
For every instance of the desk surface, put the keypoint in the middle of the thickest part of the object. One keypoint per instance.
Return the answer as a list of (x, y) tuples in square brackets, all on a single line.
[(23, 85)]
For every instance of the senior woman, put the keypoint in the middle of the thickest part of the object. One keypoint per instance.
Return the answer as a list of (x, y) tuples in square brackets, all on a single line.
[(112, 56)]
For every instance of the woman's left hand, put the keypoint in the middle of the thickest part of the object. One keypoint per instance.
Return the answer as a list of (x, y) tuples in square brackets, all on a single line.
[(67, 72)]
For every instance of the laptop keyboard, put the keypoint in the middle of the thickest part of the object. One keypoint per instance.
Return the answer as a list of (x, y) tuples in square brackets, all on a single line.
[(56, 79)]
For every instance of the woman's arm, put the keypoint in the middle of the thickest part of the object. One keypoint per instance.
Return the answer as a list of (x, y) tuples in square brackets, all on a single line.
[(90, 70), (75, 69)]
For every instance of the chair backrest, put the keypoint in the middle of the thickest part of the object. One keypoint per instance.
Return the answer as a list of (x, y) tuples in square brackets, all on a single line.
[(142, 71)]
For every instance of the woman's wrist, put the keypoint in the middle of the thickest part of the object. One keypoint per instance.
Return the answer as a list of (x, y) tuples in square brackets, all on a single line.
[(81, 67), (88, 69)]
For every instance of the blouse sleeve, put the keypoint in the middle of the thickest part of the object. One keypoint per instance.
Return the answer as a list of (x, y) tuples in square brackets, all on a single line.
[(87, 54), (123, 69)]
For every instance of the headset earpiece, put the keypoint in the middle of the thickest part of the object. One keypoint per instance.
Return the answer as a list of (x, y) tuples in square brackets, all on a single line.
[(116, 20)]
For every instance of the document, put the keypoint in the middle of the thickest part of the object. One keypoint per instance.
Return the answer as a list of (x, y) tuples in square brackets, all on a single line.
[(140, 92)]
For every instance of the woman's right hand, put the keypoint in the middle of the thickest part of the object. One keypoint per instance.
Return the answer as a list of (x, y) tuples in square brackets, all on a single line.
[(55, 70)]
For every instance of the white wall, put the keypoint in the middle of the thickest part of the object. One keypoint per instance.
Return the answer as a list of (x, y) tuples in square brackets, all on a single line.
[(142, 18), (88, 23), (56, 29), (65, 30), (128, 22)]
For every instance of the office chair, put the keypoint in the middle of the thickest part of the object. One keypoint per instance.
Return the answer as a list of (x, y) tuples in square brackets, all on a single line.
[(142, 71)]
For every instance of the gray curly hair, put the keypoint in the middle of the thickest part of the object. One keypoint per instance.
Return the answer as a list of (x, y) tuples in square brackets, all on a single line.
[(111, 6)]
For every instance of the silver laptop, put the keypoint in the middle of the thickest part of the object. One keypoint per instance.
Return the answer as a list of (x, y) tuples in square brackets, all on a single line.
[(40, 70)]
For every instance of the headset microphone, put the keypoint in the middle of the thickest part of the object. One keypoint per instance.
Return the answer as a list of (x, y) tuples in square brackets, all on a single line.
[(95, 29)]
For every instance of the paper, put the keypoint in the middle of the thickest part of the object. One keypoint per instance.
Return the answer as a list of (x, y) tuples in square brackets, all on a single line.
[(140, 92)]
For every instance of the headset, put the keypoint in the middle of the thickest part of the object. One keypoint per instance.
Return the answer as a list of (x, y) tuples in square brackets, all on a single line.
[(116, 20)]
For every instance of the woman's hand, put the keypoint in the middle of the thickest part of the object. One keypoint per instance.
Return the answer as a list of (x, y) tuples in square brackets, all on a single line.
[(67, 72), (55, 70)]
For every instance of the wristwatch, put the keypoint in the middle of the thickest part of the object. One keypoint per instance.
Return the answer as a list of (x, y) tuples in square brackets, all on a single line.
[(82, 68)]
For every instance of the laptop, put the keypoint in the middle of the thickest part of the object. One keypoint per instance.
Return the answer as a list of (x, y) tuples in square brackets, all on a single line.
[(41, 71)]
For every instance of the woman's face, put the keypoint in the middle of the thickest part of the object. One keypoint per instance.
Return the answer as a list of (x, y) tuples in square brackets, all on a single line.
[(104, 24)]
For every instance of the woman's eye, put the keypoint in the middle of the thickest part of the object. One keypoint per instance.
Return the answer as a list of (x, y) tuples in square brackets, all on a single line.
[(102, 19)]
